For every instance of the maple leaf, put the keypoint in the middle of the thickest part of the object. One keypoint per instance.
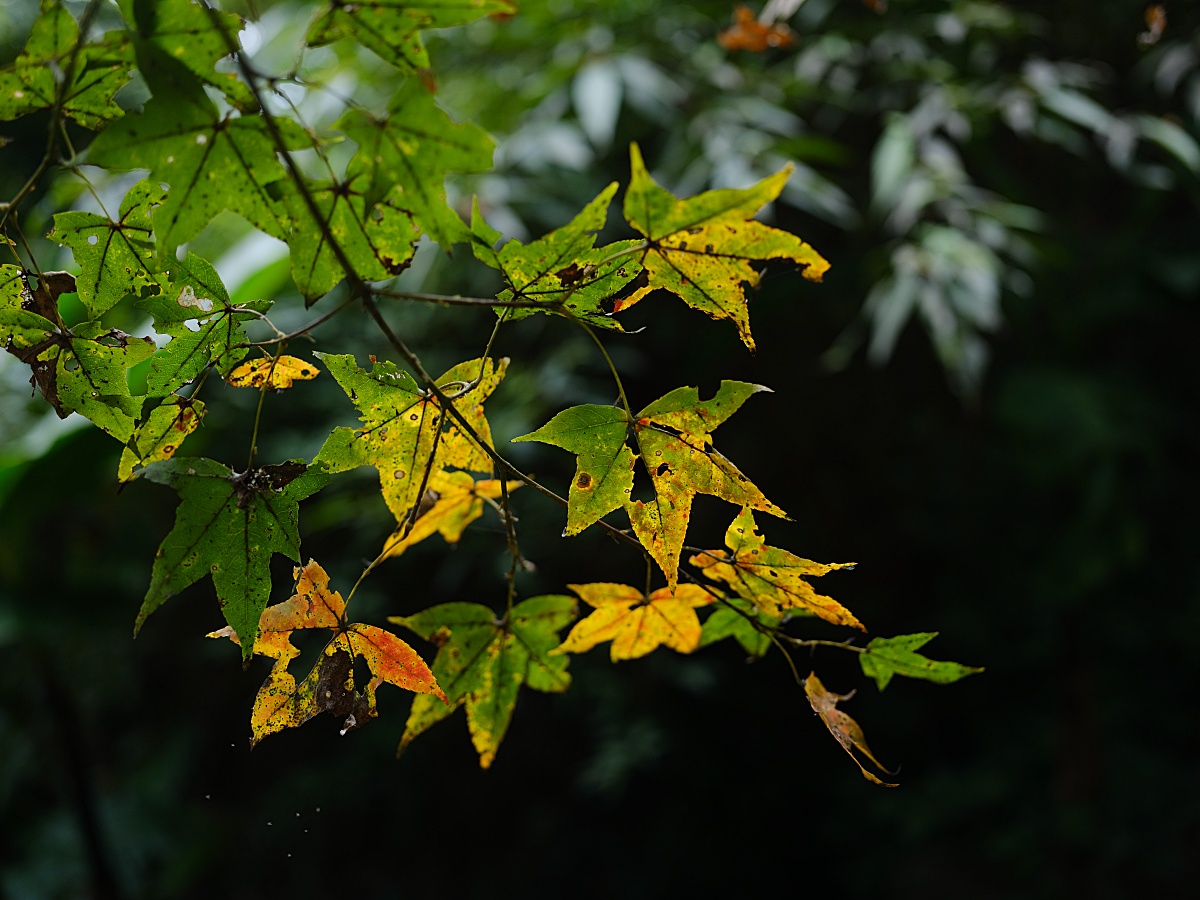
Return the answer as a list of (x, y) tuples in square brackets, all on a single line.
[(211, 161), (377, 240), (404, 429), (329, 687), (185, 31), (635, 623), (277, 373), (483, 661), (192, 290), (562, 270), (391, 28), (701, 248), (117, 257), (884, 657), (93, 73), (747, 33), (847, 732), (736, 618), (774, 580), (452, 501), (81, 369), (160, 434), (228, 525), (674, 444), (408, 153)]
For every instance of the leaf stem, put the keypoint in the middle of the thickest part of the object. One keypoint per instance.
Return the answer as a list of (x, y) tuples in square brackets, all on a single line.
[(608, 359)]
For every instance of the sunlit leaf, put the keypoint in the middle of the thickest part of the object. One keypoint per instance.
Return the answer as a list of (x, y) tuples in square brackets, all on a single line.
[(159, 436), (277, 373), (637, 624), (774, 580), (701, 249), (330, 686), (452, 501)]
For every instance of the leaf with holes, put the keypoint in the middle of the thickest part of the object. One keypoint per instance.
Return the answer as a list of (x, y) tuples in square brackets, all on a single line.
[(738, 619), (276, 373), (53, 70), (82, 369), (674, 444), (160, 434), (228, 525), (637, 624), (452, 501), (330, 686), (211, 161), (701, 248), (885, 657), (562, 271), (847, 732), (773, 580), (377, 240), (483, 661), (117, 257), (410, 151), (405, 432), (194, 309), (391, 28)]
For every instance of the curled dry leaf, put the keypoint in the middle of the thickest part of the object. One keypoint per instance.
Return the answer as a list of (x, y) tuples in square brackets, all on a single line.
[(841, 726)]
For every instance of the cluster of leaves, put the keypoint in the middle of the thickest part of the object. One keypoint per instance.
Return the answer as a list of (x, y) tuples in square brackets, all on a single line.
[(215, 142)]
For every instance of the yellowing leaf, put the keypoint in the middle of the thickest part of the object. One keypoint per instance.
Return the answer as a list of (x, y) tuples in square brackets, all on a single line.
[(160, 435), (455, 500), (840, 725), (770, 578), (637, 624), (674, 444), (701, 248), (277, 373), (330, 686), (405, 431)]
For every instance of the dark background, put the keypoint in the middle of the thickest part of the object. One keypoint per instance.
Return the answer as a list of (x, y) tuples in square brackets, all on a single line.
[(1042, 520)]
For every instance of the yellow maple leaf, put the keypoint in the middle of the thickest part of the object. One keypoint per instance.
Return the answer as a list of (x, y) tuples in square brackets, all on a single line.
[(637, 624), (276, 372), (454, 500)]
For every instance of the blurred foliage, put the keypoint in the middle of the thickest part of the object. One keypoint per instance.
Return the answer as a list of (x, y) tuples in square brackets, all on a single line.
[(1008, 197)]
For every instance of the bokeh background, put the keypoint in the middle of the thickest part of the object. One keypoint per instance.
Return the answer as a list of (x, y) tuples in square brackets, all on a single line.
[(990, 404)]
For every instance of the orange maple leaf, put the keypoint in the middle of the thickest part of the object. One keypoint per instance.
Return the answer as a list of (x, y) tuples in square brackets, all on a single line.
[(748, 33)]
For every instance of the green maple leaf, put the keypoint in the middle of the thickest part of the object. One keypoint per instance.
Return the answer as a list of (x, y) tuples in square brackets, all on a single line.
[(885, 657), (391, 28), (412, 148), (185, 31), (562, 270), (701, 249), (97, 71), (211, 161), (377, 240), (735, 618), (192, 290), (117, 257), (482, 663), (404, 430), (228, 525), (673, 442), (82, 369)]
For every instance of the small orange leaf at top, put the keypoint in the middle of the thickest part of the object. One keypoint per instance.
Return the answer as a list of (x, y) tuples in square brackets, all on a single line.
[(841, 726), (274, 372), (330, 687), (637, 624), (748, 33)]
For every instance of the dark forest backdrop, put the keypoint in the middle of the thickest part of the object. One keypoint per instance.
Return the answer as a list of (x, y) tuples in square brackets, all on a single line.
[(990, 404)]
